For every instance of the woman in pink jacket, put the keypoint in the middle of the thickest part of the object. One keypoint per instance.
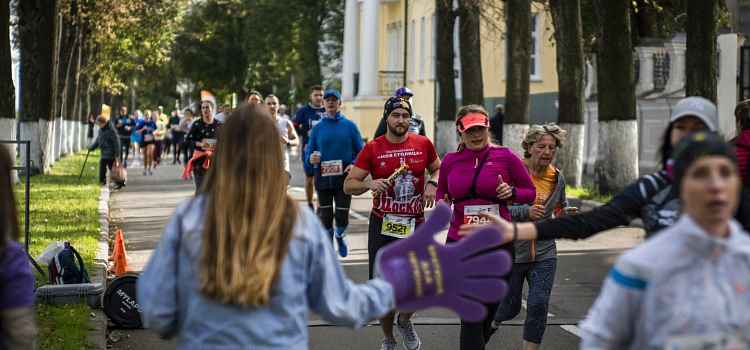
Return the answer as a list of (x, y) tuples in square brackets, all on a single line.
[(742, 141), (481, 177)]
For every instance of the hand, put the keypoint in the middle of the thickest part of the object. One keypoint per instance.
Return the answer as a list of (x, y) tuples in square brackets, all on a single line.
[(504, 225), (284, 140), (199, 144), (428, 197), (571, 210), (379, 185), (314, 158), (503, 190), (461, 276), (536, 212), (446, 199)]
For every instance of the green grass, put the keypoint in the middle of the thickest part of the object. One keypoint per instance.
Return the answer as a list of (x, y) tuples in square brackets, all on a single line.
[(60, 209), (587, 192)]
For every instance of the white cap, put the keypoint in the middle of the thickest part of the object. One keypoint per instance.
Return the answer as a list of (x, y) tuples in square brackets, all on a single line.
[(698, 107)]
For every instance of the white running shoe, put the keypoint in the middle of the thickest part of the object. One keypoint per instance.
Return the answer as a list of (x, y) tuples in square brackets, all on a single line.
[(410, 337), (388, 344)]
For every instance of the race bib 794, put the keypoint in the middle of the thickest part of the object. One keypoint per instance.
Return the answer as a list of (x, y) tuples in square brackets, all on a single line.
[(471, 213)]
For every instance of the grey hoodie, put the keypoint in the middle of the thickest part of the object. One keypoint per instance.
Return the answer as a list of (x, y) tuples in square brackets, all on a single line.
[(530, 251)]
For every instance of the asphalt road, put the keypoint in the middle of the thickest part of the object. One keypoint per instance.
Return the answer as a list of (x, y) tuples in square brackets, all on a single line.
[(142, 209)]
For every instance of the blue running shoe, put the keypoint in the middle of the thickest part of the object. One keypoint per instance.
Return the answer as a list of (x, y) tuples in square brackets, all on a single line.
[(343, 247)]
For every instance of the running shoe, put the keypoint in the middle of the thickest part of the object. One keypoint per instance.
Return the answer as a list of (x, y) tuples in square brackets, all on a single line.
[(312, 207), (144, 172), (125, 164), (343, 247), (150, 172), (410, 337), (389, 344)]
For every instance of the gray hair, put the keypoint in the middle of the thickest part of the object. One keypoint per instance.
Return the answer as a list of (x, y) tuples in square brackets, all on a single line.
[(536, 132)]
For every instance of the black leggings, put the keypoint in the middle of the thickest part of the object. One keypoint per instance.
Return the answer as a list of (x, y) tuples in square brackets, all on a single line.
[(325, 201), (125, 148), (475, 335)]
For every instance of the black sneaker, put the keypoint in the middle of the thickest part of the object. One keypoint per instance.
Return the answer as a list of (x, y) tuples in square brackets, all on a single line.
[(312, 207)]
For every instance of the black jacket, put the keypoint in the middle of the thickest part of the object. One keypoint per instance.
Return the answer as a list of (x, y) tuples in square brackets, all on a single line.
[(109, 142), (651, 198)]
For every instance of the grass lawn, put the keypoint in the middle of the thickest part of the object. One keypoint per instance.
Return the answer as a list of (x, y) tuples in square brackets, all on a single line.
[(587, 192), (60, 209)]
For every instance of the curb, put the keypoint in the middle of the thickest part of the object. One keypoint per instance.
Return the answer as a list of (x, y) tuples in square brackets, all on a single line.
[(585, 205), (98, 336)]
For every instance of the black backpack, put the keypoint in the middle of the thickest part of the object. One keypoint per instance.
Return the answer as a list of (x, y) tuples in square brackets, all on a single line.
[(64, 270)]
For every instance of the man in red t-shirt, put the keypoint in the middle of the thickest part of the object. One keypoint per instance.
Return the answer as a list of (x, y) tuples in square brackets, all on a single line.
[(399, 206)]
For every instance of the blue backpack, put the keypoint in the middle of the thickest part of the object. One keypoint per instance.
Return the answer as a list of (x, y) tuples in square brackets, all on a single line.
[(64, 270)]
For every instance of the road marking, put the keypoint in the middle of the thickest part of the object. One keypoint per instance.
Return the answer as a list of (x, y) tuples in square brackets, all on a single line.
[(569, 328), (356, 215)]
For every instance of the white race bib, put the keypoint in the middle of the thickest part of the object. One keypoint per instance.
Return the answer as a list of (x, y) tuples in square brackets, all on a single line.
[(715, 341), (398, 226), (331, 168), (471, 213)]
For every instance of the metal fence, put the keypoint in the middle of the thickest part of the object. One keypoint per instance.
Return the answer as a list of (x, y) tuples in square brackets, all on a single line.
[(661, 70), (27, 172), (389, 81)]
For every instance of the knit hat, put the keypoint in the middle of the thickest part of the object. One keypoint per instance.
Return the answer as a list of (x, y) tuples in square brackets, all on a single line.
[(396, 102), (695, 146)]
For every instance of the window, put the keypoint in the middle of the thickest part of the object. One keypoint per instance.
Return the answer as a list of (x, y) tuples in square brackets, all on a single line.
[(421, 50), (535, 56), (412, 52), (433, 48), (535, 39)]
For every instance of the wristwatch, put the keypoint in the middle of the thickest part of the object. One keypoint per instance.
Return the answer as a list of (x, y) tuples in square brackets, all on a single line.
[(431, 182), (513, 193)]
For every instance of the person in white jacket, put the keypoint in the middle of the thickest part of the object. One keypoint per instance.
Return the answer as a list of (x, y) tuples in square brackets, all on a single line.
[(688, 287)]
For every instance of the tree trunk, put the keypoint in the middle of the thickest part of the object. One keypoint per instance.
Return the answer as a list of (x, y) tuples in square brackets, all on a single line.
[(647, 16), (7, 90), (445, 139), (700, 58), (37, 29), (517, 83), (617, 152), (566, 17), (472, 88)]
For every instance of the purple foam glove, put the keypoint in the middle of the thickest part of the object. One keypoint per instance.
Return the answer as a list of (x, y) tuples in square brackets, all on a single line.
[(460, 276)]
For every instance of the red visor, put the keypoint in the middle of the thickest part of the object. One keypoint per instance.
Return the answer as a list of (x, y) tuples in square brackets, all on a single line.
[(472, 120)]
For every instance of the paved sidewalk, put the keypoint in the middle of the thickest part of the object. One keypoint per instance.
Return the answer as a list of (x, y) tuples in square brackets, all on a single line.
[(141, 210)]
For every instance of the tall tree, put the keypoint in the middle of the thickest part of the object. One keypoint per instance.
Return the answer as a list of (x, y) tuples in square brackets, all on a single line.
[(617, 150), (472, 87), (7, 90), (445, 140), (566, 17), (71, 82), (700, 58), (518, 17), (37, 29)]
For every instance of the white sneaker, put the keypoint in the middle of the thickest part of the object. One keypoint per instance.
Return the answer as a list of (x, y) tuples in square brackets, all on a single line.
[(388, 344), (410, 337)]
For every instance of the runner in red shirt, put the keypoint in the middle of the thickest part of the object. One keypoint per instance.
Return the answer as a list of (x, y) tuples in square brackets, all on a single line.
[(399, 207)]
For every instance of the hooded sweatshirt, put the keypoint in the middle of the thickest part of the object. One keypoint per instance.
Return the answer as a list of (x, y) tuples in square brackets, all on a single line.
[(336, 138), (457, 173)]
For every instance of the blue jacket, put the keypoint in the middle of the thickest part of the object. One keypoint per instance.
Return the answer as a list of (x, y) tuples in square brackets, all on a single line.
[(336, 138), (311, 278)]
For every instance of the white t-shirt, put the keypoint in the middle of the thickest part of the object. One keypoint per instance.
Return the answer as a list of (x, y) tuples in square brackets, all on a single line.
[(281, 126), (220, 117)]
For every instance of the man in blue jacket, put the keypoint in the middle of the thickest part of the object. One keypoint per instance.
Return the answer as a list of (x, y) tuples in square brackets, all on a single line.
[(332, 150)]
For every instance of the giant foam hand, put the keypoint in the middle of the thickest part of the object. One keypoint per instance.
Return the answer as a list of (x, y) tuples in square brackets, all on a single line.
[(460, 276)]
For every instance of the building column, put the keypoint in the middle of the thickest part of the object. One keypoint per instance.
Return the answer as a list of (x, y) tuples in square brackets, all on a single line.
[(676, 49), (369, 65), (646, 76), (351, 49)]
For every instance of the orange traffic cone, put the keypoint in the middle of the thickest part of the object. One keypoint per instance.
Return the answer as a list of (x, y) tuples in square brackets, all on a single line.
[(119, 248), (121, 266)]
